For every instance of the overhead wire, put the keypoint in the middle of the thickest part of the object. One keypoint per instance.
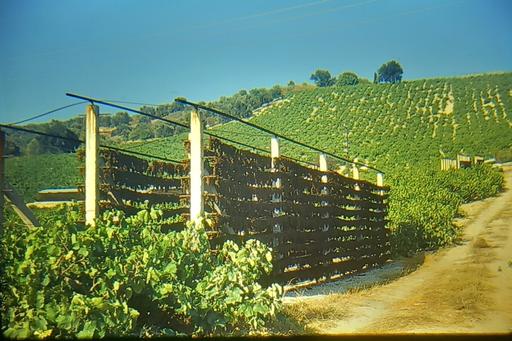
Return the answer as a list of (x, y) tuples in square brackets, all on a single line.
[(82, 141), (47, 113), (196, 105), (129, 102), (273, 133), (99, 101)]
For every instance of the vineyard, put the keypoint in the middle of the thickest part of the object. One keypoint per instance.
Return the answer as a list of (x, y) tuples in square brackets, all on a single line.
[(384, 125), (320, 225), (140, 257), (395, 124)]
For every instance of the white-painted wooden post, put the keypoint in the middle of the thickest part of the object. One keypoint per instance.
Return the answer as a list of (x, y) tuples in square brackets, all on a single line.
[(322, 162), (355, 175), (275, 154), (91, 165), (380, 179), (380, 182), (274, 150), (196, 166)]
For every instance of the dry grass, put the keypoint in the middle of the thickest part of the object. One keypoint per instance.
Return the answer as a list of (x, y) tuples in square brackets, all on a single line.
[(455, 298), (313, 313), (480, 243)]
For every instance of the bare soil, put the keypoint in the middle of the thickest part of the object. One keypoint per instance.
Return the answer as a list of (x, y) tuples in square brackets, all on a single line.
[(466, 288)]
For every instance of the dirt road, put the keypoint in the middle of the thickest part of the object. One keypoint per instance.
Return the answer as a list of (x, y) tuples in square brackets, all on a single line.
[(465, 288)]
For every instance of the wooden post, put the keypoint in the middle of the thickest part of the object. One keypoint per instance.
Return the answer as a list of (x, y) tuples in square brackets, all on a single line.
[(380, 179), (355, 175), (355, 172), (380, 182), (322, 162), (91, 165), (274, 149), (2, 178), (18, 205), (196, 166), (274, 154)]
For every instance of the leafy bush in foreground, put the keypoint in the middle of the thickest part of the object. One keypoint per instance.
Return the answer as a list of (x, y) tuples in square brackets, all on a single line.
[(126, 277), (423, 203)]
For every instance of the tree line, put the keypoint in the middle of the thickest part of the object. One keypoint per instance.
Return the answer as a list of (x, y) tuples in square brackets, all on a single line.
[(390, 72)]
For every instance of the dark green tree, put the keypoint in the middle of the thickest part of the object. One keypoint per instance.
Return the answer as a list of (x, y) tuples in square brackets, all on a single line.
[(291, 83), (390, 72), (347, 78), (105, 120), (58, 145), (322, 78), (120, 118), (140, 132)]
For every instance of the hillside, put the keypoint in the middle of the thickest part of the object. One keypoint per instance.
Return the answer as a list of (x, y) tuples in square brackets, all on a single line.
[(387, 125), (391, 124)]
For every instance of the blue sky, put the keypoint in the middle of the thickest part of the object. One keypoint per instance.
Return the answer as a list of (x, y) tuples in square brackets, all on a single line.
[(153, 51)]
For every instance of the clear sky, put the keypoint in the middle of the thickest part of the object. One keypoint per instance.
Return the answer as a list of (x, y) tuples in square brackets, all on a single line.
[(153, 51)]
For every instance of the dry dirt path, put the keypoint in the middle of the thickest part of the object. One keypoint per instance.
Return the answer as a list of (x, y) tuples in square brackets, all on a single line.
[(465, 288)]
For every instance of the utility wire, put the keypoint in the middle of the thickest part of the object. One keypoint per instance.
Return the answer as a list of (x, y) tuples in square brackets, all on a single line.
[(270, 132), (81, 141), (93, 100), (128, 102), (47, 113), (98, 101)]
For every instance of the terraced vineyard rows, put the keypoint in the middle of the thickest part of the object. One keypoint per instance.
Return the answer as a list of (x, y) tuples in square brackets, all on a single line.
[(402, 123)]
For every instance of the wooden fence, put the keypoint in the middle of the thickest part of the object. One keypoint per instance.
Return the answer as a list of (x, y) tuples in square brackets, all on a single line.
[(320, 224), (126, 182), (462, 161)]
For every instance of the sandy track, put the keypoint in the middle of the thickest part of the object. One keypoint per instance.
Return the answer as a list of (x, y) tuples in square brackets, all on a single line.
[(465, 288)]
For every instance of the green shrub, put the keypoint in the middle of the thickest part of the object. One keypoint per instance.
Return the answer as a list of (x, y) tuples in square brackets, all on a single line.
[(475, 183), (423, 203), (126, 277), (504, 155), (420, 212)]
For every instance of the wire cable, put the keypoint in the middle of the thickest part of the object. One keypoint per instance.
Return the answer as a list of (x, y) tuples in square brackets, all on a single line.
[(47, 113), (93, 100), (82, 141), (270, 132), (186, 126), (99, 101), (128, 102)]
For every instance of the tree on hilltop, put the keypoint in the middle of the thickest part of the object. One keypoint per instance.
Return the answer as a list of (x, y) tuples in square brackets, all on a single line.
[(322, 78), (390, 72), (347, 78)]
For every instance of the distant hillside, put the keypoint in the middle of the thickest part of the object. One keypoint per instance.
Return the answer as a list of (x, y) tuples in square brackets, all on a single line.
[(389, 124), (385, 125)]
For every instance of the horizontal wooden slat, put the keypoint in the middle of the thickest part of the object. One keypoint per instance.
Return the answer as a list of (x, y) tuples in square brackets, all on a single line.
[(134, 180)]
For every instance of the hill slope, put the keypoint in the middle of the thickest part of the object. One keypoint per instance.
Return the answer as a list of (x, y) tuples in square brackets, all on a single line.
[(389, 124)]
